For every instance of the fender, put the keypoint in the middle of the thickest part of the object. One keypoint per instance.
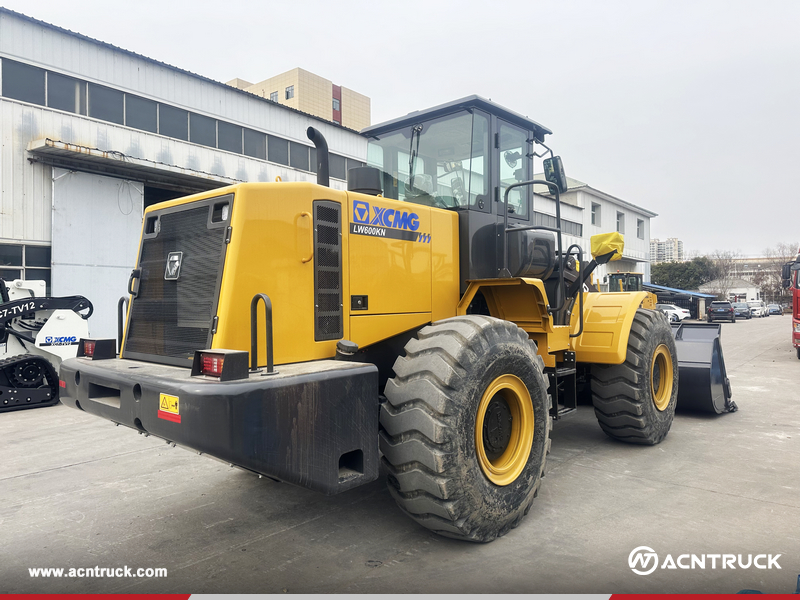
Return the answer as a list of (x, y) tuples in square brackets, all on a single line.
[(607, 319)]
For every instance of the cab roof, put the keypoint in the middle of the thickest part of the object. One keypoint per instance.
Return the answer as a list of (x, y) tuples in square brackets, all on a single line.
[(474, 101)]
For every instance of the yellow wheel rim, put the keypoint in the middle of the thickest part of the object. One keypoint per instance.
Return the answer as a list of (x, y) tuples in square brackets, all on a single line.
[(504, 429), (661, 381)]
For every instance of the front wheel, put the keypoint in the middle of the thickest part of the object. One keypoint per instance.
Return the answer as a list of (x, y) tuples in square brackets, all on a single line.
[(635, 401), (798, 353), (465, 429)]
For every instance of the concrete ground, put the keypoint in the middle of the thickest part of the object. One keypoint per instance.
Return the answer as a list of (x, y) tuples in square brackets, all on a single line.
[(75, 491)]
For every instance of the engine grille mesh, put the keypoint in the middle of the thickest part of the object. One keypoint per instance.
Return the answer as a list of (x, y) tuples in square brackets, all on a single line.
[(327, 271), (174, 318)]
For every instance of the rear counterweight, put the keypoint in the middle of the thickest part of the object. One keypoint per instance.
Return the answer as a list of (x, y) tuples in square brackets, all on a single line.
[(312, 424)]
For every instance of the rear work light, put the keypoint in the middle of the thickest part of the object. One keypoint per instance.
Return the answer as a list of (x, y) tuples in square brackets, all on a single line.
[(211, 364), (97, 349), (223, 365)]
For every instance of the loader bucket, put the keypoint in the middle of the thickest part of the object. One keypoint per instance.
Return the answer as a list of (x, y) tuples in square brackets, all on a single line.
[(703, 382)]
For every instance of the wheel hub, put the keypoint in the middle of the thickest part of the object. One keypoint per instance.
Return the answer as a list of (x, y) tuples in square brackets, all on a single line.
[(661, 381), (504, 427), (497, 424)]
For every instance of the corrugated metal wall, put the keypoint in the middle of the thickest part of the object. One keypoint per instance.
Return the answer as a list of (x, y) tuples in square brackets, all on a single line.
[(26, 189)]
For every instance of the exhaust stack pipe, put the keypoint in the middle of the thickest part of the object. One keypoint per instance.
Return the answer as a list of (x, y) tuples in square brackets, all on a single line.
[(322, 156)]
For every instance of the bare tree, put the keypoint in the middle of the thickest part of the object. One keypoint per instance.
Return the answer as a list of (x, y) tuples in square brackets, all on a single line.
[(724, 271), (776, 257)]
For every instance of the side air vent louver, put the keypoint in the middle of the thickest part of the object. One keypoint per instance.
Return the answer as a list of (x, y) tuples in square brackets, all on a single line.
[(327, 271)]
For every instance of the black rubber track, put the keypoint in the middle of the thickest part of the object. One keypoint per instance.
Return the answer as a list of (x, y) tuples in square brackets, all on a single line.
[(9, 381), (621, 394), (428, 424)]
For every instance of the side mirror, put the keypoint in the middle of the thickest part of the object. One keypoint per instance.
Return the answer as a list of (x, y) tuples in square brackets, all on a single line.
[(554, 173), (786, 275)]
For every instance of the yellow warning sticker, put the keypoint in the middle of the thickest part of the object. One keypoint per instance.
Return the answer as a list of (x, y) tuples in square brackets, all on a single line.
[(169, 404)]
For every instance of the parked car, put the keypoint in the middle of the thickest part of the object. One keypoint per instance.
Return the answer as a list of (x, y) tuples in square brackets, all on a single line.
[(721, 310), (676, 314), (757, 308), (742, 310), (774, 309)]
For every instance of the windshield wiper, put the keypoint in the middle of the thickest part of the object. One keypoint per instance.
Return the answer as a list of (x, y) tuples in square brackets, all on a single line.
[(413, 152)]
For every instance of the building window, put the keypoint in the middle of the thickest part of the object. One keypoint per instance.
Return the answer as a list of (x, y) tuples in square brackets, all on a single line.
[(336, 104), (229, 137), (298, 156), (23, 82), (173, 122), (595, 214), (23, 261), (290, 92), (273, 96), (66, 93), (202, 130), (567, 227), (640, 229), (141, 113), (621, 222), (255, 144), (277, 150), (106, 104), (337, 166)]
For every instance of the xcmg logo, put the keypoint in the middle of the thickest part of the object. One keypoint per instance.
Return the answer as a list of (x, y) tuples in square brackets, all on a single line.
[(60, 341), (386, 223), (644, 560), (384, 217)]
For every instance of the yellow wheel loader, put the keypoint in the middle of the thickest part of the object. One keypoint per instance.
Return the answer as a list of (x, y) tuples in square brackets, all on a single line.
[(425, 315)]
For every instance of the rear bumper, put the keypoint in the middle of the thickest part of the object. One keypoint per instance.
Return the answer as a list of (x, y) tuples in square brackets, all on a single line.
[(724, 316), (312, 424)]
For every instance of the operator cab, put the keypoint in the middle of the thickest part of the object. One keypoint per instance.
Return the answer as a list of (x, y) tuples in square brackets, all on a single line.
[(464, 156)]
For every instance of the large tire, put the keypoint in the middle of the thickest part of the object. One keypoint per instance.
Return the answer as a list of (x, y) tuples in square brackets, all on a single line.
[(461, 373), (635, 401)]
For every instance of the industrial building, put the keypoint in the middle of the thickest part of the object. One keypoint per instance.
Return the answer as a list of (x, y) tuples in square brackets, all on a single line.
[(92, 134)]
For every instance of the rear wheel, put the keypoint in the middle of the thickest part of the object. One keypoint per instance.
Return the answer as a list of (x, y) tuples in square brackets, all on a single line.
[(635, 401), (465, 429)]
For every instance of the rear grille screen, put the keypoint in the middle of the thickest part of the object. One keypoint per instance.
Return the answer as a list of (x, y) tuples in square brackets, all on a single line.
[(170, 319), (327, 271)]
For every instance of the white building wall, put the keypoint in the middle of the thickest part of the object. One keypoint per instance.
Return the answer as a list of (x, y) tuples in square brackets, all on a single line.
[(636, 255), (25, 189)]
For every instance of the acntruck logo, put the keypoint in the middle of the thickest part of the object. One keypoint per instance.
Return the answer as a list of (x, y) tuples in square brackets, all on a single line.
[(644, 560), (643, 556)]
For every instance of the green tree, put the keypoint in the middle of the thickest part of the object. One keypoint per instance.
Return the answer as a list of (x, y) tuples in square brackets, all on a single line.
[(683, 275)]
